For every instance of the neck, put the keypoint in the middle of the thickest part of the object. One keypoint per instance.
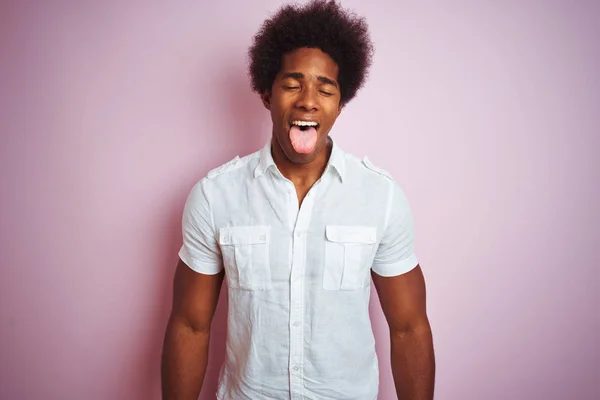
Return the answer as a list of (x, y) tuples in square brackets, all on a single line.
[(302, 175)]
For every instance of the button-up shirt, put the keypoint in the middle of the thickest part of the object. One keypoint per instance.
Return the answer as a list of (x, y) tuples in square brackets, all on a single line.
[(298, 277)]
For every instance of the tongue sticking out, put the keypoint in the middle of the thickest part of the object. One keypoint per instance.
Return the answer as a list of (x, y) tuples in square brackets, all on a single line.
[(303, 141)]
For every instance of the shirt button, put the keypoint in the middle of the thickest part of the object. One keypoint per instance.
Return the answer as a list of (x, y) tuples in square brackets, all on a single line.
[(296, 323), (296, 368)]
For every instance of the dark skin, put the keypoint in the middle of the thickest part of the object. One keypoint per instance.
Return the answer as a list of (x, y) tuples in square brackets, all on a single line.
[(185, 348), (306, 88), (403, 302)]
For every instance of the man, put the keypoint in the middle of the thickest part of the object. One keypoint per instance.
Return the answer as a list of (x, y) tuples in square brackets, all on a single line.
[(297, 230)]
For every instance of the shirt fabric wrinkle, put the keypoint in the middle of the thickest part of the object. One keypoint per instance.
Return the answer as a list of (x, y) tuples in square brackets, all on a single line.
[(298, 277)]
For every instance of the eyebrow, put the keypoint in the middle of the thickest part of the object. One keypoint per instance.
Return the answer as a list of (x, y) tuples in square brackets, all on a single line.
[(299, 75)]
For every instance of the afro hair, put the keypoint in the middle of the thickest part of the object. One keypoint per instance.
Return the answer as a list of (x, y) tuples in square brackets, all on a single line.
[(319, 24)]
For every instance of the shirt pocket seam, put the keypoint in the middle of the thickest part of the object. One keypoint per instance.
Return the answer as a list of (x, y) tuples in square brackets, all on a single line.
[(246, 257), (346, 252)]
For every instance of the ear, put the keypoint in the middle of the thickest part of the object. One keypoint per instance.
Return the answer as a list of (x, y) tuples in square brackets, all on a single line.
[(340, 107), (266, 99)]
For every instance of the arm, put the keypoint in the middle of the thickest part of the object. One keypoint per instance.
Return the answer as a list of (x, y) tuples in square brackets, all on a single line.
[(185, 349), (402, 299), (196, 288)]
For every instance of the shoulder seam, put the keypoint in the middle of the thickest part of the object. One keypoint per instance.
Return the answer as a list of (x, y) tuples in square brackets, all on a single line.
[(368, 164), (228, 166)]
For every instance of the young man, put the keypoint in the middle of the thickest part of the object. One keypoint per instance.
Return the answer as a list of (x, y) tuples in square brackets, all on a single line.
[(296, 230)]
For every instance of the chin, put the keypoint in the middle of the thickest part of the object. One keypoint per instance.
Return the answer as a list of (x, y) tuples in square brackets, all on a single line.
[(298, 158), (287, 149)]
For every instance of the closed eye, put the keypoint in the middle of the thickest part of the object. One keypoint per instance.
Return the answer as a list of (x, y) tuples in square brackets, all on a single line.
[(325, 93), (290, 87)]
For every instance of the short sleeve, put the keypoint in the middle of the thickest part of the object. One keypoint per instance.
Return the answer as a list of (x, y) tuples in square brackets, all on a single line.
[(200, 250), (396, 254)]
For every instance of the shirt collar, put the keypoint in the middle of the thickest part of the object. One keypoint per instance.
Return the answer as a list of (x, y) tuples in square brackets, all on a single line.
[(336, 160), (265, 160)]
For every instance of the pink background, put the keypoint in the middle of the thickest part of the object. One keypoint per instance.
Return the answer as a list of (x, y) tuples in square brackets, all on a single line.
[(488, 114)]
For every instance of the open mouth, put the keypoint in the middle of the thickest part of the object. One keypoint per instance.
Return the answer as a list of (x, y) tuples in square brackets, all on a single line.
[(304, 135), (305, 125)]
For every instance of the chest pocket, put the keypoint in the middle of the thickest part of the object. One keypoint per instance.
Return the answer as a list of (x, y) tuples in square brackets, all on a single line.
[(245, 251), (348, 256)]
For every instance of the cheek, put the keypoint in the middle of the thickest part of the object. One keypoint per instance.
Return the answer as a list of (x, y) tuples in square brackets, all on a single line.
[(280, 108), (332, 115), (276, 112)]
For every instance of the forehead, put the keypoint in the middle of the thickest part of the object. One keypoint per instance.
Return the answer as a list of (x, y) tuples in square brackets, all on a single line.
[(309, 62)]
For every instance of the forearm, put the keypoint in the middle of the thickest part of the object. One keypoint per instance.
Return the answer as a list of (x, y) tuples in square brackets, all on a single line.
[(184, 362), (413, 364)]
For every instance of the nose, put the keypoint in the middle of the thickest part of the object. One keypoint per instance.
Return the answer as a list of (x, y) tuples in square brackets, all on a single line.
[(307, 99)]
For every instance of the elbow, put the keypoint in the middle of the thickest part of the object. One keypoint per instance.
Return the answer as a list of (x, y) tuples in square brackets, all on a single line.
[(200, 330), (199, 327), (196, 328), (416, 328)]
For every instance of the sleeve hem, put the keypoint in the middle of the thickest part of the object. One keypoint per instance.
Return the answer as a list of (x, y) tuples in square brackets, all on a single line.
[(398, 268), (200, 267)]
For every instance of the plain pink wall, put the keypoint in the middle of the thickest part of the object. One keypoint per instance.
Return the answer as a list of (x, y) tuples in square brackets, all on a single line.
[(488, 114)]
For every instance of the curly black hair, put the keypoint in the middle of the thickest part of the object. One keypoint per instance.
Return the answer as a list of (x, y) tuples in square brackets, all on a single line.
[(321, 24)]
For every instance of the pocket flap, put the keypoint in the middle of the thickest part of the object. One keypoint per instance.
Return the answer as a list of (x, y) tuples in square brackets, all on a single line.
[(351, 234), (244, 235)]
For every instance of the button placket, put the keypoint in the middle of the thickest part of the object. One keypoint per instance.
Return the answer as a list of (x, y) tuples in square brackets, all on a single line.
[(296, 314), (296, 360), (292, 204)]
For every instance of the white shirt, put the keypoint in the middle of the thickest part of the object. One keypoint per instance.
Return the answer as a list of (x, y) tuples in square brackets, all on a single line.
[(298, 277)]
